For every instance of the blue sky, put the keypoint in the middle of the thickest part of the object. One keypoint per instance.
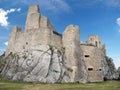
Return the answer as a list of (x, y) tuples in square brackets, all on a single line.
[(100, 17)]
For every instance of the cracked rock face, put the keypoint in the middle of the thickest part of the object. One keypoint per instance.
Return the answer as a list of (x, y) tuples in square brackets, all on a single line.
[(119, 72), (40, 64), (109, 70)]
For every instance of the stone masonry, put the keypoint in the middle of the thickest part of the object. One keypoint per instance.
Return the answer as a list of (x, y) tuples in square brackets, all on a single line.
[(93, 61), (38, 30), (93, 54), (73, 52), (84, 60)]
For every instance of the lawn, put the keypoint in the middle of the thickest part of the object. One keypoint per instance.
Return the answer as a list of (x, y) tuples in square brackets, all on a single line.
[(108, 85)]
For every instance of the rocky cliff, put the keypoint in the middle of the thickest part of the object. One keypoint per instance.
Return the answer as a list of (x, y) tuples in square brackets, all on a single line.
[(39, 64), (109, 69), (119, 72), (47, 64)]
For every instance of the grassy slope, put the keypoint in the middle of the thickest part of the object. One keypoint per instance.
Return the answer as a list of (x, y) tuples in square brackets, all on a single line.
[(109, 85)]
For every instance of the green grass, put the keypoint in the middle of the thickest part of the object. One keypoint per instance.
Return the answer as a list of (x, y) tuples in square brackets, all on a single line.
[(11, 85)]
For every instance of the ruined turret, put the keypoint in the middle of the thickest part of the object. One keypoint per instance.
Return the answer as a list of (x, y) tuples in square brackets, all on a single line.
[(15, 43), (73, 53), (94, 40), (33, 18)]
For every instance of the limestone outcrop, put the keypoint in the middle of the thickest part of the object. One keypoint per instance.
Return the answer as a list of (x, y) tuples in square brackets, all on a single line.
[(39, 64), (42, 63), (119, 72), (109, 69)]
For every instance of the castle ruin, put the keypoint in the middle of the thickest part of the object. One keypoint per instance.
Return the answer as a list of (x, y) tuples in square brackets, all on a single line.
[(39, 30), (93, 55)]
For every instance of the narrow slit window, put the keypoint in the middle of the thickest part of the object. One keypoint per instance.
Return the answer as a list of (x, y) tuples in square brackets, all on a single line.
[(90, 69), (87, 56), (96, 43)]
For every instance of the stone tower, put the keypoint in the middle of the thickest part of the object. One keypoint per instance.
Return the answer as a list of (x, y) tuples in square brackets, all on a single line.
[(93, 54), (73, 53), (33, 18), (16, 41), (94, 40), (93, 57)]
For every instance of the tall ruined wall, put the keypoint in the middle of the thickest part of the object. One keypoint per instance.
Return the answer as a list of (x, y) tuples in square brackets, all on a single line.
[(33, 38), (56, 40), (16, 41), (38, 30), (73, 53), (33, 18), (93, 61), (44, 35)]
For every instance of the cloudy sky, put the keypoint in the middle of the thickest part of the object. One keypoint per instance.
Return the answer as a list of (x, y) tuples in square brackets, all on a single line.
[(100, 17)]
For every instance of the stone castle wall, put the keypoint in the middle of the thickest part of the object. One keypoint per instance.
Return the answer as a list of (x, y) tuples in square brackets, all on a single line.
[(16, 40), (56, 40), (93, 61), (73, 53), (39, 30)]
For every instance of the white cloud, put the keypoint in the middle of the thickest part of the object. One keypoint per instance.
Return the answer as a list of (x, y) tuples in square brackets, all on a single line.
[(117, 62), (6, 43), (119, 30), (82, 42), (11, 10), (19, 9), (2, 51), (4, 16), (118, 21)]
